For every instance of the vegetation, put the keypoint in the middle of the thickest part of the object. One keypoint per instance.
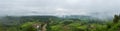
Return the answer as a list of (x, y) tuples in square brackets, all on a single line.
[(52, 23)]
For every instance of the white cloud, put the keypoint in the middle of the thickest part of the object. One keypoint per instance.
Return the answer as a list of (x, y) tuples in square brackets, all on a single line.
[(59, 7)]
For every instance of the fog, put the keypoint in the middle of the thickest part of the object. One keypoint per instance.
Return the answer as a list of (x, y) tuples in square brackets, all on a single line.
[(59, 7)]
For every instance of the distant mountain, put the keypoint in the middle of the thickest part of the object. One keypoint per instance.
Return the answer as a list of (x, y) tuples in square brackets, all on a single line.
[(77, 16), (17, 20), (86, 17)]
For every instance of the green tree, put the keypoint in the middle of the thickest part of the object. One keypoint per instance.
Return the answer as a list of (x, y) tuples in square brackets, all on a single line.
[(116, 18)]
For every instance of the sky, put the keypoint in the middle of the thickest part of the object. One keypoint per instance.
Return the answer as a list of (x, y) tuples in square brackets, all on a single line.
[(60, 7)]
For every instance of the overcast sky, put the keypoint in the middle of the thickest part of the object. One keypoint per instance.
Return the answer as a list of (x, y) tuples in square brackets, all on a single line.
[(60, 7)]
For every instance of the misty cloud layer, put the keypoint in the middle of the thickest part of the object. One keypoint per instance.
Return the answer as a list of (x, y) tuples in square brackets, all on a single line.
[(60, 7)]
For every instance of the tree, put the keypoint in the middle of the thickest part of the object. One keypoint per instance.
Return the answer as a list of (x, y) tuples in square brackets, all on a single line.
[(116, 19)]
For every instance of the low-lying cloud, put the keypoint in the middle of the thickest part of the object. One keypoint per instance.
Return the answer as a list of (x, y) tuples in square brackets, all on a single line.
[(60, 7)]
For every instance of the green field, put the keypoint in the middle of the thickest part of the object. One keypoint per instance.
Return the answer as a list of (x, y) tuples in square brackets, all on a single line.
[(53, 23)]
